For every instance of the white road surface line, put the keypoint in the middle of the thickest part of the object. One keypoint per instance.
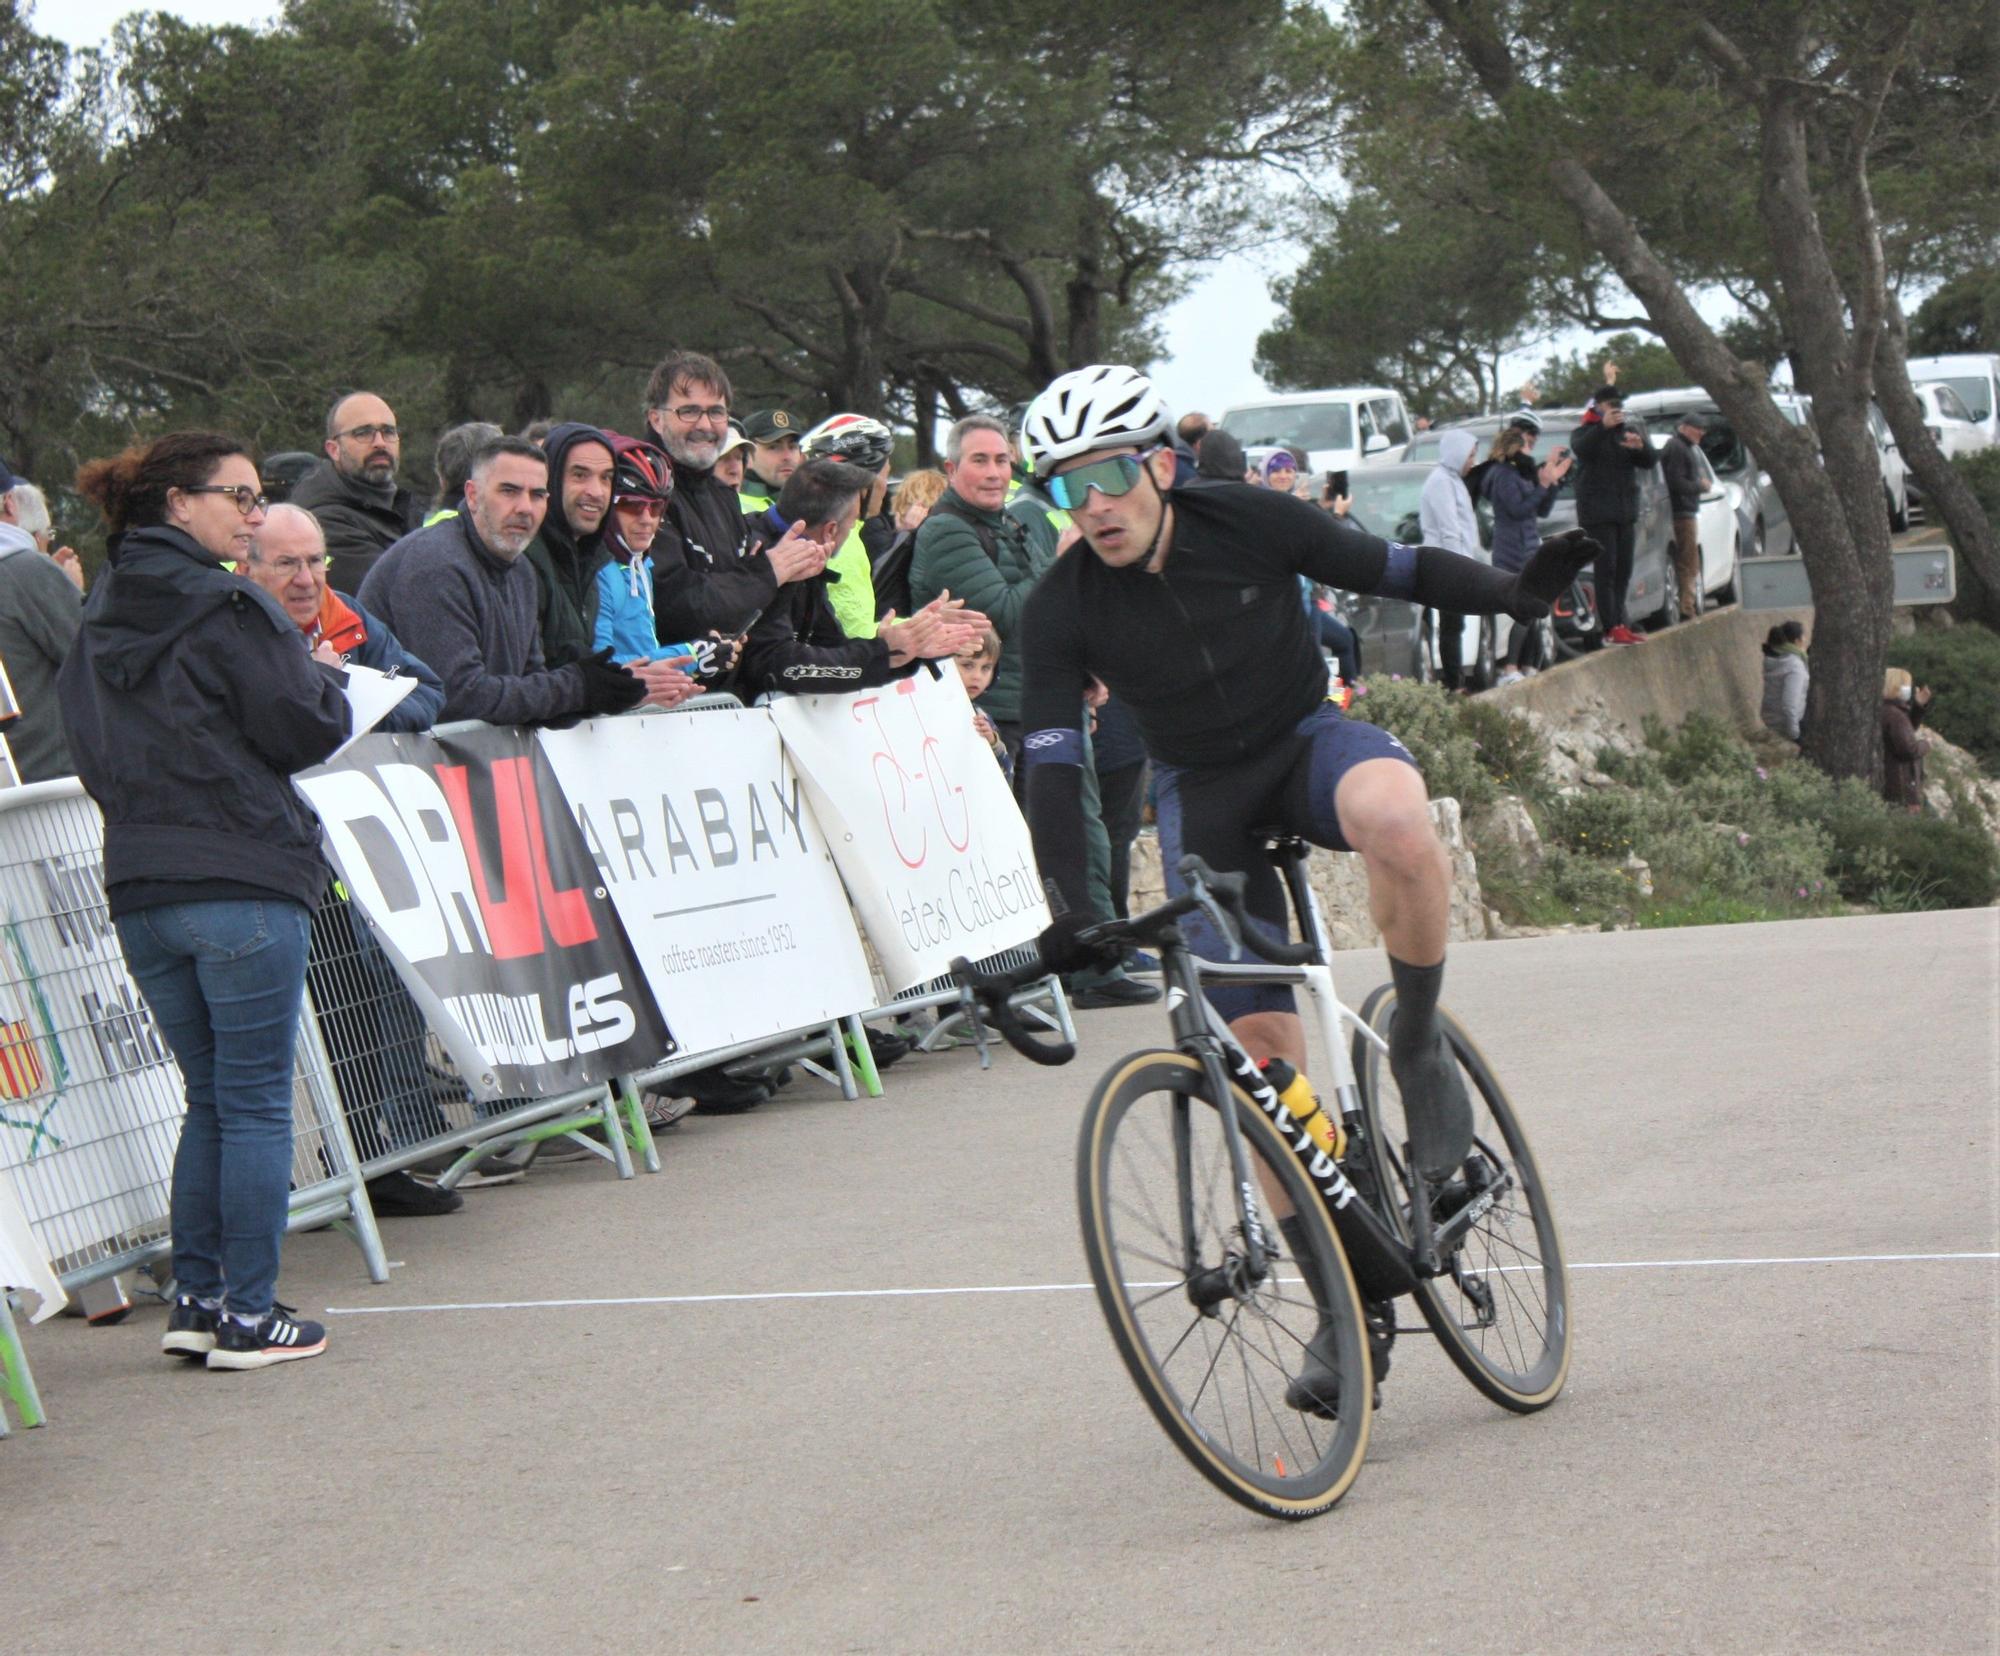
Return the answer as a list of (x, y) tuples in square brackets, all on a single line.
[(1084, 1287)]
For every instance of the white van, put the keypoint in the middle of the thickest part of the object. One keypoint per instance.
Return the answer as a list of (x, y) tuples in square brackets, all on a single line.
[(1337, 430), (1976, 379)]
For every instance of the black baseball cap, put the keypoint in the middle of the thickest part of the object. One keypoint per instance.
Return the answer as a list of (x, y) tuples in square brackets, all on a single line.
[(7, 477), (772, 425)]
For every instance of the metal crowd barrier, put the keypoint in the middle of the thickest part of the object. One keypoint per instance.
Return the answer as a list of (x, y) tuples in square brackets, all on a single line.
[(90, 1098)]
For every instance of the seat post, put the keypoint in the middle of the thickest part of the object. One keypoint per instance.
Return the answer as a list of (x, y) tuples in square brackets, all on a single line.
[(1289, 853)]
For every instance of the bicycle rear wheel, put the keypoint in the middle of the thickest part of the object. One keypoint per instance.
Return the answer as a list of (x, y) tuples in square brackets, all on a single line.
[(1154, 1184), (1502, 1310)]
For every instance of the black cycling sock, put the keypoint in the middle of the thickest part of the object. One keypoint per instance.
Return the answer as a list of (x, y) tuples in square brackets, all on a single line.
[(1435, 1106)]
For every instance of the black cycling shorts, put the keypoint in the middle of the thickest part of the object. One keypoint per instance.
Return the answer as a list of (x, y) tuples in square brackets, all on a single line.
[(1211, 810)]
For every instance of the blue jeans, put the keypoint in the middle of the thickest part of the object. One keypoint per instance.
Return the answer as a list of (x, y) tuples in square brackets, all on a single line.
[(224, 981)]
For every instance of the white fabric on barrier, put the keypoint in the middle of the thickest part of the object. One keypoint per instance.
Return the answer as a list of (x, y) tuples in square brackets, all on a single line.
[(717, 869), (22, 1262), (923, 826), (90, 1098)]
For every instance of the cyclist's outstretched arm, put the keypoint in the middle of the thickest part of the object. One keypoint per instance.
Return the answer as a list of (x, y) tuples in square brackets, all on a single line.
[(1054, 677), (1335, 553)]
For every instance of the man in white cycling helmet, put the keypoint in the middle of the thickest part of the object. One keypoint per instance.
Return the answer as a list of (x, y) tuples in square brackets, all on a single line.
[(1185, 604)]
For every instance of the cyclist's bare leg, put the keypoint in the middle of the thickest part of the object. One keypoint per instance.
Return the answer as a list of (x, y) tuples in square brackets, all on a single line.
[(1385, 815)]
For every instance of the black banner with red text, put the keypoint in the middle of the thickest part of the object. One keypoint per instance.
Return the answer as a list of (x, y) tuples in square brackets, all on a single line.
[(462, 851)]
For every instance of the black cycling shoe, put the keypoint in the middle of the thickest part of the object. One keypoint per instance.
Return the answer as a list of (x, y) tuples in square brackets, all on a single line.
[(398, 1196), (1437, 1110)]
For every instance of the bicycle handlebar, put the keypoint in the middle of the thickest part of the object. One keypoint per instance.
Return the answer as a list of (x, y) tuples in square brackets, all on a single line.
[(1220, 894)]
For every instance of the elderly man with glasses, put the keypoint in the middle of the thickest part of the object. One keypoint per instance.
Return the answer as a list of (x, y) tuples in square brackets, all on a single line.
[(354, 493)]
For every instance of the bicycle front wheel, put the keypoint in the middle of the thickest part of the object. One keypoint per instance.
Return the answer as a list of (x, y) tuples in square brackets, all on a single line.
[(1501, 1311), (1214, 1348)]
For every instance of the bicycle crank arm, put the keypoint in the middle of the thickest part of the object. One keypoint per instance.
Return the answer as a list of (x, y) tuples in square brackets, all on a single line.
[(1451, 1229)]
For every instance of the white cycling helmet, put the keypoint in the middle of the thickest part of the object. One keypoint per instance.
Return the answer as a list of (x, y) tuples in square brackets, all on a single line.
[(1103, 406)]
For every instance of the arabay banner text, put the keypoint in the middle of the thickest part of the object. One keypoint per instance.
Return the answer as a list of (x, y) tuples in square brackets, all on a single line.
[(463, 852)]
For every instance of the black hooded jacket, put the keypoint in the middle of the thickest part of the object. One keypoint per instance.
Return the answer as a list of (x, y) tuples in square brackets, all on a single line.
[(566, 563), (190, 700), (702, 580), (360, 523)]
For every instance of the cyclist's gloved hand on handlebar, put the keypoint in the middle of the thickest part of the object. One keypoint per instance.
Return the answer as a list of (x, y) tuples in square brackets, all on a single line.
[(1063, 950), (1547, 576)]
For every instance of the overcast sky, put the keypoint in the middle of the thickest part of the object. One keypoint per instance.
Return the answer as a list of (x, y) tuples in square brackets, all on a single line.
[(1211, 335)]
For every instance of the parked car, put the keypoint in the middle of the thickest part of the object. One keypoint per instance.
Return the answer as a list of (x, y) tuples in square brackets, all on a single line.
[(1338, 430), (1653, 596), (1766, 525), (1895, 471), (1951, 424), (1976, 379)]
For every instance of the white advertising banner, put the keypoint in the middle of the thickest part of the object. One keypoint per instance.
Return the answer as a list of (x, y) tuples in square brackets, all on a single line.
[(718, 870), (922, 823)]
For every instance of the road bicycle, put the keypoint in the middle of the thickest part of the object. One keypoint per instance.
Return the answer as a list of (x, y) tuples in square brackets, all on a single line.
[(1212, 1300)]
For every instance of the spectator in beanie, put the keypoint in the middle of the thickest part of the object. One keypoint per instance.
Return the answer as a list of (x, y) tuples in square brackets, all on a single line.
[(1609, 457), (1220, 456), (191, 700), (354, 492), (1521, 494)]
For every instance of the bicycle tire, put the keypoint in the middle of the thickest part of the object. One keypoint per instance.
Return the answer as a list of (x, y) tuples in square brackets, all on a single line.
[(1313, 1478), (1526, 1374)]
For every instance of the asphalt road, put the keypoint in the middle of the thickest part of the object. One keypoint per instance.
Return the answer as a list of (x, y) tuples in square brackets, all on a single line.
[(1774, 1154)]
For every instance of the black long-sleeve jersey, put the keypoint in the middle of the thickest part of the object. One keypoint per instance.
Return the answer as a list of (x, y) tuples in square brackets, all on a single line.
[(1212, 654)]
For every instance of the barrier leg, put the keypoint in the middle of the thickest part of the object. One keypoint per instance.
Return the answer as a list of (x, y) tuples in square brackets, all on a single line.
[(852, 1058), (360, 1221), (637, 1127), (20, 1384), (614, 1131), (1063, 1019)]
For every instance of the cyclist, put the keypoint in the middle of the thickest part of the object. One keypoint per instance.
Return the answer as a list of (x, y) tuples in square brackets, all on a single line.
[(1186, 605)]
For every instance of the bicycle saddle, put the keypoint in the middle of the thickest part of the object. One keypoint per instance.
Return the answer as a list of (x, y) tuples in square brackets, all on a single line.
[(1282, 844)]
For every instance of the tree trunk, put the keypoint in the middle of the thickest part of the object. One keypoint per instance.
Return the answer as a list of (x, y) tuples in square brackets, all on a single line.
[(1947, 495), (925, 399)]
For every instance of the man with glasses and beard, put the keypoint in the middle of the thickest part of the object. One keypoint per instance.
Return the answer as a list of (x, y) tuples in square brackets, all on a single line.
[(354, 494), (704, 579)]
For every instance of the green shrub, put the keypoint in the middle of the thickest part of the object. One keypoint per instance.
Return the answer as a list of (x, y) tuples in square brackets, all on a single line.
[(1507, 745), (1962, 667), (1425, 719), (1892, 859)]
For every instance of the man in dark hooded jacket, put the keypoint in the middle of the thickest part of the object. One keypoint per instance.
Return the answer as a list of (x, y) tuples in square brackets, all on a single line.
[(569, 550), (705, 577), (353, 492)]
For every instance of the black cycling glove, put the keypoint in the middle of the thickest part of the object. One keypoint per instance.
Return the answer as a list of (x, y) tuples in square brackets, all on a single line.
[(1557, 562), (607, 687), (715, 655), (1063, 950)]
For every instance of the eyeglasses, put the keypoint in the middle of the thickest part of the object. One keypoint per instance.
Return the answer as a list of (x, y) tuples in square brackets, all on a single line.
[(1116, 476), (247, 499), (368, 434), (644, 505), (689, 414), (288, 567)]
